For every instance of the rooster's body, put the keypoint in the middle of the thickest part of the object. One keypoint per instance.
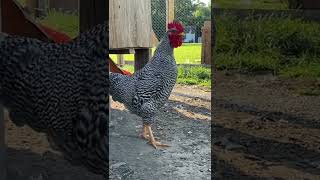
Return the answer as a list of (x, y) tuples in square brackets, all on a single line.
[(61, 90), (148, 89)]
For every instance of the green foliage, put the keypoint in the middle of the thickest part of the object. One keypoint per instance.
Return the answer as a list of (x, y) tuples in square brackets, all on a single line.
[(282, 45), (201, 14), (184, 10), (194, 75)]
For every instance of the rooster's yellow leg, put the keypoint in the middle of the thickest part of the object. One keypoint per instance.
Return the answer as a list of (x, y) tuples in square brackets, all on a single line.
[(144, 134), (152, 140)]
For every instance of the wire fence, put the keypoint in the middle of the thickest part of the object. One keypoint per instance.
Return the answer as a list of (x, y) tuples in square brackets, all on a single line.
[(159, 17), (190, 52)]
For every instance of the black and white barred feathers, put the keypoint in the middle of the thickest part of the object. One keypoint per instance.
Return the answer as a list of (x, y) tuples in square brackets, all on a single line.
[(61, 90), (148, 89)]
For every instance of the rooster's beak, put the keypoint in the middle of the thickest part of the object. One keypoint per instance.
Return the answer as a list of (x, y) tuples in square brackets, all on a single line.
[(182, 34)]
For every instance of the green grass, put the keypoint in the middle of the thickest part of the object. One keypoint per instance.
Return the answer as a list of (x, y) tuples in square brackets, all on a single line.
[(188, 75), (188, 53), (194, 75), (306, 71), (255, 4), (67, 23), (288, 47)]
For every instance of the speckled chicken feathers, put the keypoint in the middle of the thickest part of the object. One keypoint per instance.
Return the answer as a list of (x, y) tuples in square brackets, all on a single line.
[(61, 90)]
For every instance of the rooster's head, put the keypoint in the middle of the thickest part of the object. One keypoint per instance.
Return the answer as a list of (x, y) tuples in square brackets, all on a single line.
[(175, 33)]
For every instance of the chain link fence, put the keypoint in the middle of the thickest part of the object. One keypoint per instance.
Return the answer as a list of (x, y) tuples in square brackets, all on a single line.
[(159, 16), (192, 14)]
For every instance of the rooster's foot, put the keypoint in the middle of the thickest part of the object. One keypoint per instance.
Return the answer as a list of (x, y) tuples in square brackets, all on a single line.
[(152, 139)]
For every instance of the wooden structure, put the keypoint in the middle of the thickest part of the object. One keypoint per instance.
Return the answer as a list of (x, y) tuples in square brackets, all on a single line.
[(206, 54), (311, 4), (130, 27), (19, 23), (65, 5), (92, 12), (3, 167)]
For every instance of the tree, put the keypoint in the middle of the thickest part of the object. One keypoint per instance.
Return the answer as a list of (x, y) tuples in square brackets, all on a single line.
[(201, 14), (189, 12), (183, 10)]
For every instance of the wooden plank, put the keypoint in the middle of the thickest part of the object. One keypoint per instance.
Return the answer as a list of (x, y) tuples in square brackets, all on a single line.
[(206, 43), (92, 12), (154, 39), (141, 58), (130, 24)]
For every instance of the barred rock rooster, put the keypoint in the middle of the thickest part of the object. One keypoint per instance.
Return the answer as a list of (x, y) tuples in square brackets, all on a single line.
[(61, 90), (148, 89)]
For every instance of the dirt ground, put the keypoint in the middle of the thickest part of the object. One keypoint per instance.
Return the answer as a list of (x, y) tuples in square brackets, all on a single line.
[(264, 128), (29, 157), (184, 123)]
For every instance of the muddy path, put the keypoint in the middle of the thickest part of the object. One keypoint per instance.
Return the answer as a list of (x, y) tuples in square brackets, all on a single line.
[(184, 123), (264, 129)]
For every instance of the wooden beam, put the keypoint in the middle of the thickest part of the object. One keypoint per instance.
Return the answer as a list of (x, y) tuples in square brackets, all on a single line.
[(93, 12), (206, 49), (120, 59), (122, 51), (170, 10), (141, 58)]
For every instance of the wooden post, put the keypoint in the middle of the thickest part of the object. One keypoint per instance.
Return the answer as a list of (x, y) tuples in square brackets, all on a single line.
[(120, 59), (141, 58), (93, 12), (170, 11), (206, 43), (32, 5), (43, 7), (3, 167)]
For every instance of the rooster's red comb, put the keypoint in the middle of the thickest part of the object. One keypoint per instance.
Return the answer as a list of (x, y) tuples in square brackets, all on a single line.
[(176, 25)]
